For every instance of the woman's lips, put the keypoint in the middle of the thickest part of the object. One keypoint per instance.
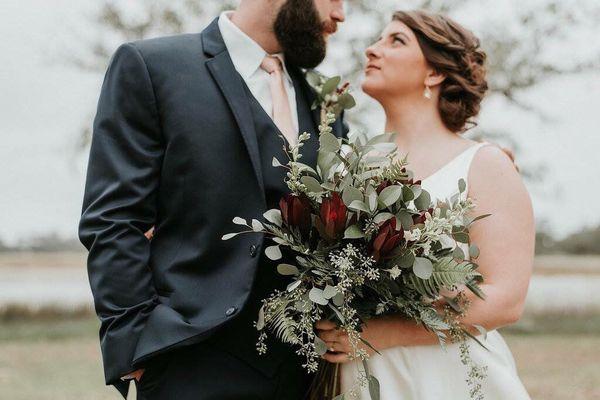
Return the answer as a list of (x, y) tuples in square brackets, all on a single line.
[(371, 68)]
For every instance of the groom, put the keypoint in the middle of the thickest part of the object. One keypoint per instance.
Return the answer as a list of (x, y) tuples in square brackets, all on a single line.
[(184, 137)]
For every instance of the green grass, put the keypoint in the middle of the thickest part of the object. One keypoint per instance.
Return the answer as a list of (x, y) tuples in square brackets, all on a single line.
[(59, 359)]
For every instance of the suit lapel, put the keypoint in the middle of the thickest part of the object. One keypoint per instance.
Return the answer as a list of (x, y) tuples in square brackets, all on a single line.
[(308, 120), (231, 85)]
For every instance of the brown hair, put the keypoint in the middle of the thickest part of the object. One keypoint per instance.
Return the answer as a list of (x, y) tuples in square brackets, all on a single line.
[(453, 51)]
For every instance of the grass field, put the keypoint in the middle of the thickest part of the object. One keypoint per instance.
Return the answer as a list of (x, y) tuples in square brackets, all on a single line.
[(59, 360)]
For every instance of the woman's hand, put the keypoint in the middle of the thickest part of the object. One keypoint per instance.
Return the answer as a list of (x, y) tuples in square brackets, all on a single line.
[(338, 344)]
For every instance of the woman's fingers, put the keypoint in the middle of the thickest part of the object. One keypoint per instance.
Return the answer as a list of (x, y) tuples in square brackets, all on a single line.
[(336, 358), (325, 325), (329, 336)]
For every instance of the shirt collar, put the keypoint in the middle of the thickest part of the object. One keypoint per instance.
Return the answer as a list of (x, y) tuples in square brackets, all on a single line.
[(245, 53)]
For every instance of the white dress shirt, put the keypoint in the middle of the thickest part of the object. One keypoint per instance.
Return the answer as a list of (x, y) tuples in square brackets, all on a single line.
[(247, 55)]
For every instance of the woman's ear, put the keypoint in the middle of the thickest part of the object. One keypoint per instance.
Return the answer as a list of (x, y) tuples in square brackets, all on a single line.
[(434, 78)]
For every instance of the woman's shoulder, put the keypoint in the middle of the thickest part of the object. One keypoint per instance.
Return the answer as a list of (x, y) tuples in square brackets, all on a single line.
[(493, 175)]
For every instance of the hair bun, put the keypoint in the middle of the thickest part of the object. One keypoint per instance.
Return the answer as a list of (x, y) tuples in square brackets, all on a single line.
[(454, 51)]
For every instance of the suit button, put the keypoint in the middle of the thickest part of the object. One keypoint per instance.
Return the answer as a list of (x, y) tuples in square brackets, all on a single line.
[(253, 249), (230, 311)]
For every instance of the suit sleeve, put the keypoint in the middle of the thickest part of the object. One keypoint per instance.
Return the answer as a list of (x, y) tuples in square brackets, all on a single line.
[(119, 205)]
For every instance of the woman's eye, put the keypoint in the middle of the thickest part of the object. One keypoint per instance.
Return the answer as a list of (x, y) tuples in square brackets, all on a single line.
[(397, 39)]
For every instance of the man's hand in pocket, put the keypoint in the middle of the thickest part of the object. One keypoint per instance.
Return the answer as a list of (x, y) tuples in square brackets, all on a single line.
[(137, 375)]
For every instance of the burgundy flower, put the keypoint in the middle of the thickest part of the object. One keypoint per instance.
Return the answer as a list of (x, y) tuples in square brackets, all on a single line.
[(295, 212), (332, 219), (387, 239), (420, 218)]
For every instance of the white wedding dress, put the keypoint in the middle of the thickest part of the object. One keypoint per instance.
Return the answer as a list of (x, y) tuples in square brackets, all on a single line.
[(427, 372)]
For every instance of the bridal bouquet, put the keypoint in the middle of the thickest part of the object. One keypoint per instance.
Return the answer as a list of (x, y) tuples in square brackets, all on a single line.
[(366, 240)]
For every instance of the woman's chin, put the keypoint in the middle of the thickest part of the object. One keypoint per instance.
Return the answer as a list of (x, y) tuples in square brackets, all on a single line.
[(371, 88)]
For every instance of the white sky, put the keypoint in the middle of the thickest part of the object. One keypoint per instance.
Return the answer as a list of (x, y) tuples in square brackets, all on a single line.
[(44, 102)]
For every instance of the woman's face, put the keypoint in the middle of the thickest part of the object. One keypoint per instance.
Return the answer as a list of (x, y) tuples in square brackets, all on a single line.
[(396, 65)]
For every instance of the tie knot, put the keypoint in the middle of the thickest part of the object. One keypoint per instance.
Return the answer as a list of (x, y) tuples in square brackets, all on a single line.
[(271, 64)]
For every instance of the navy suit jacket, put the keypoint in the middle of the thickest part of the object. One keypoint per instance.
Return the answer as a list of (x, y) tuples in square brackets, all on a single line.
[(173, 146)]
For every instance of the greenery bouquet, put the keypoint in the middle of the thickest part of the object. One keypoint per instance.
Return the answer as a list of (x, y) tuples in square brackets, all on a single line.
[(367, 240)]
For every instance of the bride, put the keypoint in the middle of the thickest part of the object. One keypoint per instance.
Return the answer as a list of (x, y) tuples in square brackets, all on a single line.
[(428, 74)]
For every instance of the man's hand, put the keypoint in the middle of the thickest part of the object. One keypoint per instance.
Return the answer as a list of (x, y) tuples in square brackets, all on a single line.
[(137, 375), (150, 233)]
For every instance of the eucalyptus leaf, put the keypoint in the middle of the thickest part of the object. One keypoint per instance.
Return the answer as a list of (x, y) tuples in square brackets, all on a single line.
[(273, 253), (373, 201), (239, 221), (293, 285), (407, 260), (320, 346), (278, 240), (260, 323), (405, 219), (330, 85), (350, 194), (274, 216), (313, 78), (416, 189), (338, 299), (390, 195), (329, 142), (276, 162), (473, 251), (461, 237), (316, 296), (288, 269), (229, 235), (374, 388), (257, 226), (423, 201), (329, 291), (381, 138), (462, 185), (353, 232), (346, 101), (407, 194), (423, 268), (338, 313), (458, 254), (358, 205), (382, 217), (311, 184)]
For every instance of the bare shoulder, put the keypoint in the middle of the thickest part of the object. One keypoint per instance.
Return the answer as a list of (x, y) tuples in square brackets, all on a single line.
[(493, 177)]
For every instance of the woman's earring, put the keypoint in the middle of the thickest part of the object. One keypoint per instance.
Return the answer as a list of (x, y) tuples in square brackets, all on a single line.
[(427, 93)]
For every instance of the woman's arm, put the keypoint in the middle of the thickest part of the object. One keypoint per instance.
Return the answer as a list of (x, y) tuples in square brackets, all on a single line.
[(506, 240)]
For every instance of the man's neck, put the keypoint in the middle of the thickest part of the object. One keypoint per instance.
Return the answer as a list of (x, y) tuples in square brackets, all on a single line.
[(251, 20)]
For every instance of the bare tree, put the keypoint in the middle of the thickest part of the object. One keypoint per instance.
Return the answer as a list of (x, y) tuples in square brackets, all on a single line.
[(517, 43)]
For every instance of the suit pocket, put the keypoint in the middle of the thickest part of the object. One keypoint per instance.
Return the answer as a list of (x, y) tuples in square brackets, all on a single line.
[(154, 373)]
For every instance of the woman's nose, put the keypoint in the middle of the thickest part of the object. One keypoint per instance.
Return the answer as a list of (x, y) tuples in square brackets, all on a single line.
[(371, 52)]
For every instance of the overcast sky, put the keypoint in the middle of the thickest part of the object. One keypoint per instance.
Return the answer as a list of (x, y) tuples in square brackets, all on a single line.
[(44, 102)]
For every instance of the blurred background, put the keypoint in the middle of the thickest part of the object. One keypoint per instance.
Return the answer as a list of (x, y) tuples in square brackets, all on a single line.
[(544, 70)]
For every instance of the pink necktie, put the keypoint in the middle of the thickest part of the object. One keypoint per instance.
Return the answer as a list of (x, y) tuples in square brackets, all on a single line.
[(282, 115)]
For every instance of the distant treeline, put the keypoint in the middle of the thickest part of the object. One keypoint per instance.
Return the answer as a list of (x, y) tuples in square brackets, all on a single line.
[(586, 241), (47, 242)]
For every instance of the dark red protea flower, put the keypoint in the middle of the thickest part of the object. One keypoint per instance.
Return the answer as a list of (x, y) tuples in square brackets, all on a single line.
[(386, 240), (296, 211), (420, 218), (332, 219)]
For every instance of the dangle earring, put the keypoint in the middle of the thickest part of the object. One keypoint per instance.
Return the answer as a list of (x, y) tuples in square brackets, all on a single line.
[(427, 93)]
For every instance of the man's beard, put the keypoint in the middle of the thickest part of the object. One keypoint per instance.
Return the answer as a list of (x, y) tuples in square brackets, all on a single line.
[(301, 33)]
